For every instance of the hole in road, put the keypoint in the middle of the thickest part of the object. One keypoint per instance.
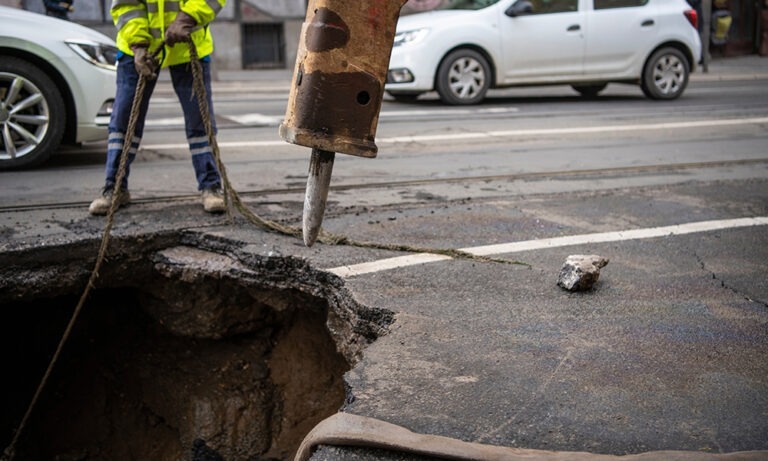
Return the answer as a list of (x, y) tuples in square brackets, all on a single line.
[(186, 356)]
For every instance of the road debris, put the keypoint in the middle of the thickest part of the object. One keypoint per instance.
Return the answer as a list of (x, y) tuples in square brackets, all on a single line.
[(580, 272)]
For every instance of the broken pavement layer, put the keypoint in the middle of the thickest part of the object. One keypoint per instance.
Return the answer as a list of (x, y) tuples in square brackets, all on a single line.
[(666, 353)]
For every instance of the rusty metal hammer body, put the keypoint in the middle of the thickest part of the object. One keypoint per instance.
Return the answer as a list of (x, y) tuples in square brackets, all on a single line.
[(337, 89)]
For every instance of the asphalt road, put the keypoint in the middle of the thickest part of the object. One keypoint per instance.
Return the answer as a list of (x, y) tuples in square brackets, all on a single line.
[(521, 131), (668, 351)]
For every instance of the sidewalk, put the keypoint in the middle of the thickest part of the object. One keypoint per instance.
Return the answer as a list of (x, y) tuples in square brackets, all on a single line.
[(752, 67)]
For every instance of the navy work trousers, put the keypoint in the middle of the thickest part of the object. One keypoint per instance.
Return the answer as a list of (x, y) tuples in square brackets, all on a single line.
[(181, 76)]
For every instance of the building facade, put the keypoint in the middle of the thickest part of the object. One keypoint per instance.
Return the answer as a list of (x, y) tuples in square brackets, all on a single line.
[(745, 36), (264, 34), (249, 34)]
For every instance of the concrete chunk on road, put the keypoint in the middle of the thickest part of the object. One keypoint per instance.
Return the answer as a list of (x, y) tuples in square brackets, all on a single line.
[(580, 272)]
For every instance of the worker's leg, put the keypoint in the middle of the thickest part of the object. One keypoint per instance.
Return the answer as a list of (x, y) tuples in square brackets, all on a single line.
[(202, 155), (203, 161), (127, 80)]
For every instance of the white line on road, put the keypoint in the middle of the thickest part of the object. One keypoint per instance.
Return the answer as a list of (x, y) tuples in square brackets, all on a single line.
[(514, 247), (275, 120), (448, 112), (576, 130), (387, 264), (170, 121), (507, 134), (256, 119)]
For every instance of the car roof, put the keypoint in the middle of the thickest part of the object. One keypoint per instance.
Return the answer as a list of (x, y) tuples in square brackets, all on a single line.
[(28, 25)]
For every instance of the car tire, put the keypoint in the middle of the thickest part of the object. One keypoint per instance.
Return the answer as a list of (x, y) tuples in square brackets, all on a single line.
[(665, 74), (30, 133), (589, 91), (404, 97), (463, 77)]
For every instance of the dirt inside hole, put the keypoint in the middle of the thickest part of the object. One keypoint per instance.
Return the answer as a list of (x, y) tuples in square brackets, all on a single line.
[(127, 387)]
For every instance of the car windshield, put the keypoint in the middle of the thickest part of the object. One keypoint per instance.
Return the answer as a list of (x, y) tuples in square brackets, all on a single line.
[(465, 4)]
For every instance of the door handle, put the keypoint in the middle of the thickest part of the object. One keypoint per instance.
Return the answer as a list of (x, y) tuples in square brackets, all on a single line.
[(648, 23), (574, 28)]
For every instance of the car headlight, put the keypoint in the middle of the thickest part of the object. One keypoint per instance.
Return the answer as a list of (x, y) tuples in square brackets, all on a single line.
[(410, 36), (98, 54)]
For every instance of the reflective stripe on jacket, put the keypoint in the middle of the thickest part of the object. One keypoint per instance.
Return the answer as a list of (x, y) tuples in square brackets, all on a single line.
[(145, 21)]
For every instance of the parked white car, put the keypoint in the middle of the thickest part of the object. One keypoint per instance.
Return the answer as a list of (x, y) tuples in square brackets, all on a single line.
[(469, 46), (57, 84)]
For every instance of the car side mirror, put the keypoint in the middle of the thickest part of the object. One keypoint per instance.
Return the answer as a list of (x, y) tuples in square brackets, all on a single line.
[(519, 8)]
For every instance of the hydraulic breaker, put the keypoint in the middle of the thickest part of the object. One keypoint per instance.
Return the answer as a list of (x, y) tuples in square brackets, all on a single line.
[(337, 89)]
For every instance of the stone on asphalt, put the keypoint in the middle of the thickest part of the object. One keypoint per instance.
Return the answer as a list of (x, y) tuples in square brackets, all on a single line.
[(580, 272)]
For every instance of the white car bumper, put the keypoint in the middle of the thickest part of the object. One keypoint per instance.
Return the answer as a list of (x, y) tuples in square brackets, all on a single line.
[(420, 67)]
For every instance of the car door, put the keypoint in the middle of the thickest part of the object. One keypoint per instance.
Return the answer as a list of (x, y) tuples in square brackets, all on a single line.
[(619, 34), (545, 44)]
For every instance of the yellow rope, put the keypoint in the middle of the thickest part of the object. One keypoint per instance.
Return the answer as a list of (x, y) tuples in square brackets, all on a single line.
[(10, 451), (231, 196)]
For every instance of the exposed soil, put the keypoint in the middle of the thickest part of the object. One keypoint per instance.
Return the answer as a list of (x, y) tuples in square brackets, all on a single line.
[(186, 358)]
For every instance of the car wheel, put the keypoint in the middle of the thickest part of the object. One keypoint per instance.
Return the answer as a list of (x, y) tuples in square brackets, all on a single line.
[(665, 75), (590, 91), (463, 77), (404, 97), (31, 114)]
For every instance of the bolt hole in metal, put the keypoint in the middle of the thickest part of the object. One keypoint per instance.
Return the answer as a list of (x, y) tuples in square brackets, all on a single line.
[(151, 369), (363, 98)]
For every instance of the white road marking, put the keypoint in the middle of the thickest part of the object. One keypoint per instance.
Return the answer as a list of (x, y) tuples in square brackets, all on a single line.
[(256, 119), (275, 120), (412, 113), (221, 145), (170, 121), (387, 264), (514, 247), (507, 134), (576, 130)]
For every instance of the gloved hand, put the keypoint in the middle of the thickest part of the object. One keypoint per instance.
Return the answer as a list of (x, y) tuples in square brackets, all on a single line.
[(143, 61), (180, 29)]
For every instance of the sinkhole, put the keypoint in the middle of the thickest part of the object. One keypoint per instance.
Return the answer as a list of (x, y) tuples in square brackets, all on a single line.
[(180, 353)]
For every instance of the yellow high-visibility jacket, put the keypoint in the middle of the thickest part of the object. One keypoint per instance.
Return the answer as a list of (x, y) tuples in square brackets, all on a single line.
[(145, 21)]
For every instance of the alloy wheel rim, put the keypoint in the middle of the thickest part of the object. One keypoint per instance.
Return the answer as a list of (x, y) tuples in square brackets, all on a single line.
[(466, 77), (669, 74), (24, 116)]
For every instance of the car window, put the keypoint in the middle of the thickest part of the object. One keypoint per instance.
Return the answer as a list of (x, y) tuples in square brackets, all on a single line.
[(554, 6), (466, 4), (607, 4)]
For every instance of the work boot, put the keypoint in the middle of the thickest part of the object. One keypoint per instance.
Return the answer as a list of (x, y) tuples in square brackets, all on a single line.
[(100, 206), (213, 200)]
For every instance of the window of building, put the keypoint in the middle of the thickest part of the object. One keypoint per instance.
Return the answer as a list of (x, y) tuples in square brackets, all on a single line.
[(263, 46)]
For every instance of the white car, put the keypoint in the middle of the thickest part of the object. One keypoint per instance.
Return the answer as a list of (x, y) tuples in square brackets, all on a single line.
[(468, 46), (57, 84)]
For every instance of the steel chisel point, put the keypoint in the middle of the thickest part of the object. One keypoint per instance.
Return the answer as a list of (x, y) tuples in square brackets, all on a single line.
[(318, 183)]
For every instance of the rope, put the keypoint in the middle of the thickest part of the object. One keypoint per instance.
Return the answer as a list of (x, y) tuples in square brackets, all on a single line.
[(10, 451), (231, 196), (231, 199)]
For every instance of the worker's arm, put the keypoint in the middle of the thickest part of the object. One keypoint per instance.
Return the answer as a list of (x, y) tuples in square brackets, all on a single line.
[(130, 17)]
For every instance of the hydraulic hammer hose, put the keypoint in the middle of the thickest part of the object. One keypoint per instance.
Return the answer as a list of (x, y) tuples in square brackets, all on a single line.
[(345, 429)]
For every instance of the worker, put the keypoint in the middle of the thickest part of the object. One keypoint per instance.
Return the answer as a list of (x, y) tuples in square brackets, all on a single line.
[(59, 9), (142, 26)]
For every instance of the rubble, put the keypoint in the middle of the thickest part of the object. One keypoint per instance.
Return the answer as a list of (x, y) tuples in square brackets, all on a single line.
[(580, 272)]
